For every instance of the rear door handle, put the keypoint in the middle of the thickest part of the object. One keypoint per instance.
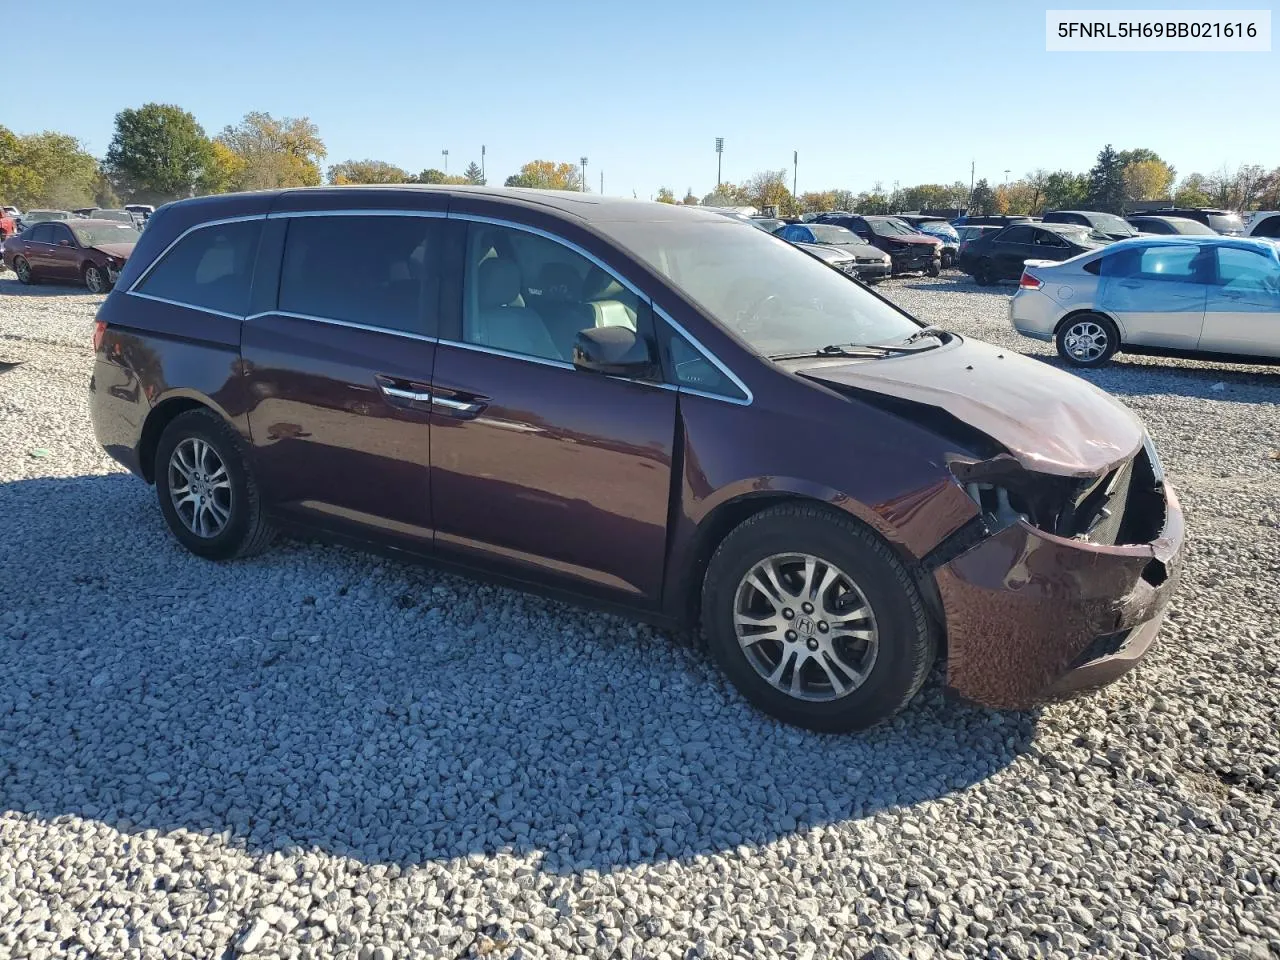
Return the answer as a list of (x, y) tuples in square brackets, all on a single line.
[(458, 406), (403, 392)]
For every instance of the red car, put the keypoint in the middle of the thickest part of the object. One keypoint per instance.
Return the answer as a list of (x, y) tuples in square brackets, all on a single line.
[(92, 251)]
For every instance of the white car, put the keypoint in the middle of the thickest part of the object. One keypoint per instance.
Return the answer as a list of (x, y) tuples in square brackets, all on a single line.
[(1192, 296), (1265, 224)]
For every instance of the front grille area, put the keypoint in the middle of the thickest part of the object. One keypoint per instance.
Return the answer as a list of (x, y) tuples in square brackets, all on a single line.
[(1126, 506)]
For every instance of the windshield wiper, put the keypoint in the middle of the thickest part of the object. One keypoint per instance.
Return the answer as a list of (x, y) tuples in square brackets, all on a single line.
[(840, 350), (929, 331)]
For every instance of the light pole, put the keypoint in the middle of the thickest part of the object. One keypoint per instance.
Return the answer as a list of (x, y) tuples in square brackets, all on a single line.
[(445, 154), (795, 171), (894, 202), (602, 183), (482, 161), (584, 174), (719, 156), (1006, 178)]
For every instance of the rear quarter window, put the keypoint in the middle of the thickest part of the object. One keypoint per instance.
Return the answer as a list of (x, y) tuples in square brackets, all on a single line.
[(210, 268)]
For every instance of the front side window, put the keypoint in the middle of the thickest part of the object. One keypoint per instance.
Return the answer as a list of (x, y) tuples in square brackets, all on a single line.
[(1017, 235), (211, 268), (374, 271), (59, 233), (1047, 238), (527, 294), (776, 298), (691, 369), (1246, 270)]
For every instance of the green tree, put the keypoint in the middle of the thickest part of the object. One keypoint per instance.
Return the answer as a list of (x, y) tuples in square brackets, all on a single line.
[(473, 175), (275, 153), (690, 200), (367, 171), (547, 175), (1192, 191), (768, 188), (726, 195), (1064, 190), (666, 195), (1106, 182), (224, 172), (983, 201), (1147, 180), (433, 176), (158, 153), (843, 200), (47, 170)]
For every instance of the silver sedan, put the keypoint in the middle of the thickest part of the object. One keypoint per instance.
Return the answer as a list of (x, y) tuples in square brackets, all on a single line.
[(1195, 296)]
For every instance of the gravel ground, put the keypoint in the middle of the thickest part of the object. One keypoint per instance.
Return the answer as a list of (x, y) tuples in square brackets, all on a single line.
[(317, 753)]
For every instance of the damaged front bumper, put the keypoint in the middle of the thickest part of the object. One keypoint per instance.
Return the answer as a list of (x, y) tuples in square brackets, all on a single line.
[(1032, 616)]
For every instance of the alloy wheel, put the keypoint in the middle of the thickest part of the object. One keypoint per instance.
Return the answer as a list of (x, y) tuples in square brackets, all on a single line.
[(200, 487), (805, 626), (94, 280), (1085, 341), (23, 270)]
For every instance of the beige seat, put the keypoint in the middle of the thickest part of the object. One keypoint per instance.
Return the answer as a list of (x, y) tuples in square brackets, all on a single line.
[(611, 303), (501, 321)]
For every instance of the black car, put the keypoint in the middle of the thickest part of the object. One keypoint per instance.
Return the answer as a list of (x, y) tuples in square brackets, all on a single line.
[(999, 256), (909, 249), (1170, 226), (1221, 221), (993, 220), (1107, 224)]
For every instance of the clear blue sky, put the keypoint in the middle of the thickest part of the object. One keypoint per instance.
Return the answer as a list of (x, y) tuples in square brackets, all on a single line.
[(865, 90)]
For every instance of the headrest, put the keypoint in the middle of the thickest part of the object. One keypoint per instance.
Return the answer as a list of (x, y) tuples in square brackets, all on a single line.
[(499, 283), (599, 285), (560, 282)]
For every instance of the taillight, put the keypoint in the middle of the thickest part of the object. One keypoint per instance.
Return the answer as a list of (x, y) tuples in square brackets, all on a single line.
[(99, 331), (1030, 282)]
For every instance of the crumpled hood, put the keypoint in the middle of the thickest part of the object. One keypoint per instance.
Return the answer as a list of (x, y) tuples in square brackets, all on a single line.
[(1051, 421), (121, 250)]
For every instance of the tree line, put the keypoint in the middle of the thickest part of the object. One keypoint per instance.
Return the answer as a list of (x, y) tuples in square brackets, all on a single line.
[(160, 152)]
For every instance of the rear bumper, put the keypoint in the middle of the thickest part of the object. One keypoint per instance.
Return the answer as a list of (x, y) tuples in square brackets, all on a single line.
[(1034, 314), (1032, 617)]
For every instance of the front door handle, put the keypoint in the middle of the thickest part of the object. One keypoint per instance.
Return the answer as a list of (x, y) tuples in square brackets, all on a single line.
[(399, 393), (470, 407)]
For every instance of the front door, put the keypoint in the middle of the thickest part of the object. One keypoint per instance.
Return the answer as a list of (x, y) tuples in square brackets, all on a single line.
[(339, 373), (1242, 314), (1014, 246), (540, 470), (1157, 293)]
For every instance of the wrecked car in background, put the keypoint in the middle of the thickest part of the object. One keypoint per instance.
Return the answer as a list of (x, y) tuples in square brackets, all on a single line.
[(651, 408)]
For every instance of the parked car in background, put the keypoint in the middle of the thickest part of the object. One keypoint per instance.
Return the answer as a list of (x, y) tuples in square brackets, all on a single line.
[(1170, 226), (946, 235), (120, 216), (1107, 224), (144, 210), (11, 212), (1264, 224), (769, 224), (1226, 222), (971, 231), (851, 253), (909, 250), (655, 438), (8, 225), (91, 251), (1211, 297), (1000, 255), (992, 220), (83, 211), (41, 216)]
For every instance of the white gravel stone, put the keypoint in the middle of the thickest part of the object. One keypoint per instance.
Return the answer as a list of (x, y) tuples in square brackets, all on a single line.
[(186, 745)]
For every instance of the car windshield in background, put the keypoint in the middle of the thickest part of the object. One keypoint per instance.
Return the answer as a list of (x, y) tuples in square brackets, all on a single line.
[(890, 228), (1110, 223), (39, 216), (1194, 228), (832, 234), (1226, 223), (778, 299), (122, 215), (101, 233), (1084, 236), (939, 229)]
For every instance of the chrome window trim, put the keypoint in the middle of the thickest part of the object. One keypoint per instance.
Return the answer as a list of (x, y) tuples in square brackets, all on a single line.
[(354, 212), (182, 236), (715, 362), (536, 231), (350, 324), (178, 303), (481, 348)]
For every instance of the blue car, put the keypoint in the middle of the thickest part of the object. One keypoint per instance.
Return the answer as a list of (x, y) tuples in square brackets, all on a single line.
[(947, 234)]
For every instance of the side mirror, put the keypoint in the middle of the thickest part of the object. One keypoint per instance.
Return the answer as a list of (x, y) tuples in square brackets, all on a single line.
[(613, 351)]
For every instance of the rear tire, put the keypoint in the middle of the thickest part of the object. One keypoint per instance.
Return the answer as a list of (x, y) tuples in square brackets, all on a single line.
[(982, 274), (1088, 340), (892, 646), (208, 494)]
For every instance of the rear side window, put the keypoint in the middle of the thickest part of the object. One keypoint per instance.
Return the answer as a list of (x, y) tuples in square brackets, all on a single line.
[(210, 268), (376, 271), (1018, 235), (1269, 227), (1177, 264), (1246, 270)]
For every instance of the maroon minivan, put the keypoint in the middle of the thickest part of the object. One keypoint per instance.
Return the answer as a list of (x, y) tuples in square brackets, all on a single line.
[(649, 408)]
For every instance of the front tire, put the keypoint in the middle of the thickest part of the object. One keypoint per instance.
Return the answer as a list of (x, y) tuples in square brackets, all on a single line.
[(23, 270), (815, 619), (1088, 340), (208, 494), (982, 274), (95, 278), (935, 268)]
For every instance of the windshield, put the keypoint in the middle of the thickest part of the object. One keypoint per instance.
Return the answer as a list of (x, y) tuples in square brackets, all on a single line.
[(1083, 236), (940, 229), (1110, 223), (778, 299), (101, 233), (34, 216), (889, 227), (1191, 228), (1226, 223), (121, 215), (826, 233)]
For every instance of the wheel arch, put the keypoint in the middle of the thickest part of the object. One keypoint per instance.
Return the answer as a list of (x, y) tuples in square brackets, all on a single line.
[(1080, 312), (161, 415)]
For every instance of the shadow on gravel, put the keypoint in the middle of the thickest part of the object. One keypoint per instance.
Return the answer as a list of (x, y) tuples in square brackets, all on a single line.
[(11, 287), (365, 708), (1154, 376)]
